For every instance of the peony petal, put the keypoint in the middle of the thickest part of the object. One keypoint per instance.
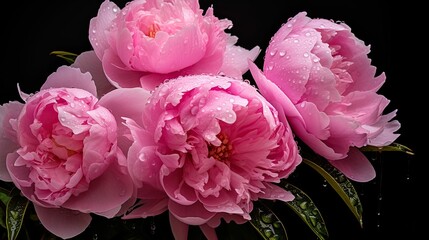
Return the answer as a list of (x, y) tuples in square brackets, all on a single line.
[(274, 192), (387, 136), (88, 62), (209, 232), (118, 103), (194, 214), (179, 229), (6, 148), (313, 142), (98, 26), (273, 93), (70, 77), (8, 138), (355, 166), (316, 122), (106, 193), (152, 207), (235, 62), (118, 74), (62, 222)]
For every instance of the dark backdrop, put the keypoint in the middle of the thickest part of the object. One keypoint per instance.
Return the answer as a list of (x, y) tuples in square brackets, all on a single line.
[(392, 202)]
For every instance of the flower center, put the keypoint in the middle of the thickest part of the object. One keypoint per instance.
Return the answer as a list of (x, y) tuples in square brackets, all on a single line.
[(153, 28), (223, 151)]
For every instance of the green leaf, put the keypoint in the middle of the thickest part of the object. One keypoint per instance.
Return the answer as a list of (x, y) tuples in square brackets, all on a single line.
[(394, 147), (266, 223), (2, 215), (307, 211), (68, 56), (15, 212), (340, 183), (4, 199), (4, 195)]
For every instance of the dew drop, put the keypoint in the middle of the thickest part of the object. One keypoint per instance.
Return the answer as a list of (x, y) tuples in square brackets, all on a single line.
[(282, 53), (306, 55), (273, 52), (325, 184), (289, 25)]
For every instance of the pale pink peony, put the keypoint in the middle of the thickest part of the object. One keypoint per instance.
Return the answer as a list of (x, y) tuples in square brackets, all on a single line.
[(205, 148), (65, 157), (149, 41), (319, 74)]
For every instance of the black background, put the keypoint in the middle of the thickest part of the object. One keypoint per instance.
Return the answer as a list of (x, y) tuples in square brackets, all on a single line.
[(32, 30)]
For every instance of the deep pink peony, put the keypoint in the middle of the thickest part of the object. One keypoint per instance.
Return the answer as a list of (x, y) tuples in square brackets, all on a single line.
[(319, 74), (149, 41), (62, 153), (205, 148)]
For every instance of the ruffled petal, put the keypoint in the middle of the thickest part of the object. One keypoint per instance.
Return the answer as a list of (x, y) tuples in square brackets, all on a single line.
[(98, 26), (70, 77)]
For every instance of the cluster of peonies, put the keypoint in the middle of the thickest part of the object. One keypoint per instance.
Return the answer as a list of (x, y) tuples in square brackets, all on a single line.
[(157, 117)]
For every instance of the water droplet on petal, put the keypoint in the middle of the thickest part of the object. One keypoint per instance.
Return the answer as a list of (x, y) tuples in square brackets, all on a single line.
[(282, 53)]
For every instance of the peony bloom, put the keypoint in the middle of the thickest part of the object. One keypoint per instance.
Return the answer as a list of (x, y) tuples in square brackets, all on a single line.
[(149, 41), (320, 76), (62, 153), (205, 148)]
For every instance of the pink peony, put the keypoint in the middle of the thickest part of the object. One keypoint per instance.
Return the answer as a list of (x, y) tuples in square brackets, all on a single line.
[(320, 76), (149, 41), (204, 148), (65, 157)]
